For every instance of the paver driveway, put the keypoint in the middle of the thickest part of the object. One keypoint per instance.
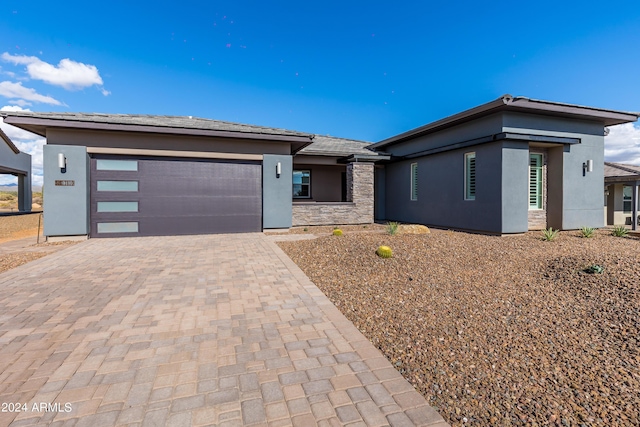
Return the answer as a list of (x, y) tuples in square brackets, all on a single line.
[(195, 330)]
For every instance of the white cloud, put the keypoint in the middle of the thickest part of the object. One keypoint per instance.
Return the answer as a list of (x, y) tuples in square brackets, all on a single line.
[(622, 145), (17, 91), (68, 74), (26, 142), (105, 92), (20, 102)]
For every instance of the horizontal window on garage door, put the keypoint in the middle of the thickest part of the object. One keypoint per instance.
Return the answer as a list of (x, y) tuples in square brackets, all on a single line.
[(117, 185), (117, 227), (116, 165), (117, 206)]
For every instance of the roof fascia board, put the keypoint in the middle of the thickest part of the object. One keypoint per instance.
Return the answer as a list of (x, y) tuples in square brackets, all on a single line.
[(628, 179), (609, 117), (518, 104), (34, 124), (439, 124)]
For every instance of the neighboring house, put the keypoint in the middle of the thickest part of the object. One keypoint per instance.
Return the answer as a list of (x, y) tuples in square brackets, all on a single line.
[(621, 191), (13, 162), (507, 166)]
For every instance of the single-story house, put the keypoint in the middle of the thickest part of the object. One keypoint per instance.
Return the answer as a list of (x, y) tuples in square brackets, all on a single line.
[(507, 166), (621, 190), (14, 162)]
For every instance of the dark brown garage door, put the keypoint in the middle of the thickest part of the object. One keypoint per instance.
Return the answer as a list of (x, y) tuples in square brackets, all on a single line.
[(154, 196)]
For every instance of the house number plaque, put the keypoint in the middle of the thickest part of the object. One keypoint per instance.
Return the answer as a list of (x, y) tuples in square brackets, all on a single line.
[(65, 183)]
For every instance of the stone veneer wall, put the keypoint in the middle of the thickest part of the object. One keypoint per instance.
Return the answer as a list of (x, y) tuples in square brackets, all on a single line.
[(538, 217), (358, 210)]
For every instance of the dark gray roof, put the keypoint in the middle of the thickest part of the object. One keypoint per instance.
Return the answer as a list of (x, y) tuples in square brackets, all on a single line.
[(39, 121), (321, 145), (521, 104), (618, 170), (332, 146)]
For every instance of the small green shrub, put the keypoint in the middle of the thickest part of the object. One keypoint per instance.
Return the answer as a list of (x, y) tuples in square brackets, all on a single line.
[(364, 226), (587, 231), (594, 269), (384, 252), (392, 227), (549, 234), (620, 231), (337, 232), (305, 229)]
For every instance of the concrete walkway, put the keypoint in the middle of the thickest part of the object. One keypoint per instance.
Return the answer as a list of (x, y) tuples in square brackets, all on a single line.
[(194, 330)]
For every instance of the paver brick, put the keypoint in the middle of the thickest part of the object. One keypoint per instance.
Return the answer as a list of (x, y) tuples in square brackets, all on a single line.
[(348, 413), (190, 330), (253, 411)]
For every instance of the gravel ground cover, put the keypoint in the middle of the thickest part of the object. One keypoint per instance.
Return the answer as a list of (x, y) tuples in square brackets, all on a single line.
[(496, 330), (13, 260)]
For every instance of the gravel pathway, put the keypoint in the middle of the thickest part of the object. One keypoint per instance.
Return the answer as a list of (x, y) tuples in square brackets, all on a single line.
[(496, 330)]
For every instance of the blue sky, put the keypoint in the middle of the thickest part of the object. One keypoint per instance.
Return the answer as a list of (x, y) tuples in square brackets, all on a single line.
[(362, 70)]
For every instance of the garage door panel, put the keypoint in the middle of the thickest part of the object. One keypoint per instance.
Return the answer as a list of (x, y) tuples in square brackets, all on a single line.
[(178, 196)]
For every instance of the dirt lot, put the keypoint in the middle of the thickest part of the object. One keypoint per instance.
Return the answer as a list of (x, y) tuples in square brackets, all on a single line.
[(23, 229), (19, 226), (496, 330)]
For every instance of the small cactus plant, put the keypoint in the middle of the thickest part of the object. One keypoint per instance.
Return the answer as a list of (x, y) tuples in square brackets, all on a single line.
[(620, 231), (384, 252), (549, 234), (392, 227), (594, 269), (587, 231), (337, 232)]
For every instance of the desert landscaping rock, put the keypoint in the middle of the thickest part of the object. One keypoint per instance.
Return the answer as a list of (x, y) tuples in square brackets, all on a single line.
[(496, 330)]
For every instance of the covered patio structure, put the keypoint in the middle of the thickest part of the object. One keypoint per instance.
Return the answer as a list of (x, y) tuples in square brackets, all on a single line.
[(621, 194), (14, 162)]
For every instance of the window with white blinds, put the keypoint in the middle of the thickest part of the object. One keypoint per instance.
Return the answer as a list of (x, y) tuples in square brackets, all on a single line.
[(414, 181), (535, 181), (470, 176)]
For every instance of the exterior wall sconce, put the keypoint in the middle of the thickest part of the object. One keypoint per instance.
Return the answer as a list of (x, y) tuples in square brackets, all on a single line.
[(62, 162), (587, 166), (278, 169)]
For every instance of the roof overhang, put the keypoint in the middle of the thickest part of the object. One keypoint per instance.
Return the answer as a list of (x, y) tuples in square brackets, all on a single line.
[(39, 126), (362, 158), (516, 104)]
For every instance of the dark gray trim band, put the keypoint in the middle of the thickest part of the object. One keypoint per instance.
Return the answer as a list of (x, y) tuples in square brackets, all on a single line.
[(497, 137)]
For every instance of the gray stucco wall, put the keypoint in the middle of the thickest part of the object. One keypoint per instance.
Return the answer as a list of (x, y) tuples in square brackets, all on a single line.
[(19, 165), (379, 192), (441, 190), (580, 193), (515, 187), (573, 199), (66, 208), (276, 192)]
